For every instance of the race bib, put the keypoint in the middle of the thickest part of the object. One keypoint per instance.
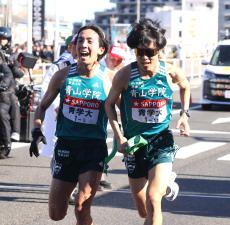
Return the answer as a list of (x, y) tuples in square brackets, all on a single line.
[(81, 110), (149, 111)]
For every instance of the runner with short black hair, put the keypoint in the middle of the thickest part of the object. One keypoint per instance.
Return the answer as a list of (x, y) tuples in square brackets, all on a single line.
[(81, 148), (146, 111)]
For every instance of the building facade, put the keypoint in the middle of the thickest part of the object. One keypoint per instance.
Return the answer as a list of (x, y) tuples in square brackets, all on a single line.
[(125, 12)]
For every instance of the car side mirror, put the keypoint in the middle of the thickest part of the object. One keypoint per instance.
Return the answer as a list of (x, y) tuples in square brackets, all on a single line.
[(204, 62)]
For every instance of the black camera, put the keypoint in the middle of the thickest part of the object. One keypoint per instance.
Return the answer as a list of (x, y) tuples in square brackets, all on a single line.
[(27, 60)]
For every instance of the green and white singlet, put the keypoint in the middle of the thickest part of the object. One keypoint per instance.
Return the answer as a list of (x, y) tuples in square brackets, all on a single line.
[(82, 112), (146, 105)]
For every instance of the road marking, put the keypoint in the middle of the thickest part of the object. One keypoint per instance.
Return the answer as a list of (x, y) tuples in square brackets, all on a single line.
[(224, 196), (181, 194), (108, 141), (196, 148), (221, 120), (203, 132), (16, 145), (226, 158), (183, 153), (23, 187), (195, 131)]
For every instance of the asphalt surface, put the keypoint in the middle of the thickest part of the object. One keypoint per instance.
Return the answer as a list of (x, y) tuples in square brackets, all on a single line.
[(202, 166)]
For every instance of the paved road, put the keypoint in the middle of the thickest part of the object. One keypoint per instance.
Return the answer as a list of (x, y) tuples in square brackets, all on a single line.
[(202, 166)]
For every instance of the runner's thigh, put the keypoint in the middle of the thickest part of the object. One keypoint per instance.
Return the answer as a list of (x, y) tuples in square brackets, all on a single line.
[(89, 182)]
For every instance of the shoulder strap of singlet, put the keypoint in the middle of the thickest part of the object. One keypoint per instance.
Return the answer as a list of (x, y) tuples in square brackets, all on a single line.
[(162, 68), (100, 73), (134, 71), (73, 69)]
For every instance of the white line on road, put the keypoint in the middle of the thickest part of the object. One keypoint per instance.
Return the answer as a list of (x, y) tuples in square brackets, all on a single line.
[(226, 158), (181, 194), (197, 148), (204, 195), (221, 120), (195, 131), (203, 132), (19, 145), (18, 187)]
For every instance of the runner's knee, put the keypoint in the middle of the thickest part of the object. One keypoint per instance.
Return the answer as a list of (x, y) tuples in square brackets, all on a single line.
[(81, 199), (154, 197), (56, 215)]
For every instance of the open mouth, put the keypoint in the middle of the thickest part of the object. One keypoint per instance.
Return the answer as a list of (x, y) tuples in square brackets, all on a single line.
[(84, 54)]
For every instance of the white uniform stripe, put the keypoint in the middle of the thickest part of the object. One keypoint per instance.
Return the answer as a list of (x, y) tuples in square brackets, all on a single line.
[(109, 140), (197, 148)]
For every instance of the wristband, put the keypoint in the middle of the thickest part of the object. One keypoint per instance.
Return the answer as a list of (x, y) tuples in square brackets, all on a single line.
[(186, 113)]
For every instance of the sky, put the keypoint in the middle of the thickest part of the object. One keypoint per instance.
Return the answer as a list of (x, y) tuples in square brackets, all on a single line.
[(77, 10)]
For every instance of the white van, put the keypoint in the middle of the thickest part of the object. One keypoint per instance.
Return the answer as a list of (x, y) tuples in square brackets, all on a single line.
[(216, 77)]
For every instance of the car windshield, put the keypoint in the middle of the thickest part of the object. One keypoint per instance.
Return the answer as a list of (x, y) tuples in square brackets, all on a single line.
[(221, 56)]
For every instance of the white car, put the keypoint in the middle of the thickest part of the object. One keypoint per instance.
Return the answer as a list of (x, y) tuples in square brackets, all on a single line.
[(216, 77)]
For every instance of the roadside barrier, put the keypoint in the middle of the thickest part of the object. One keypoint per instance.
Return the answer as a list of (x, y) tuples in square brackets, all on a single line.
[(192, 68)]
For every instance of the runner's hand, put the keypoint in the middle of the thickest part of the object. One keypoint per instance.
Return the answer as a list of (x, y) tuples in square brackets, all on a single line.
[(38, 137)]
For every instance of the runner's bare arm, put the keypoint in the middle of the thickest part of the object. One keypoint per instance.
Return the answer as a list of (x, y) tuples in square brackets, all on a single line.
[(55, 84), (179, 78), (120, 82)]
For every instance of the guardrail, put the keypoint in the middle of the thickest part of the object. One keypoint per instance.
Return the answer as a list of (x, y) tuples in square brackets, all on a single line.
[(192, 67)]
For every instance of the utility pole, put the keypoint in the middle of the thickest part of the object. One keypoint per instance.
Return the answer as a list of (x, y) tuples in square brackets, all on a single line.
[(29, 25), (138, 2), (9, 13), (56, 37)]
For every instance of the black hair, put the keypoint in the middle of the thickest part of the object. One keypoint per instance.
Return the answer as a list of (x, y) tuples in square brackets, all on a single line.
[(103, 42), (146, 31)]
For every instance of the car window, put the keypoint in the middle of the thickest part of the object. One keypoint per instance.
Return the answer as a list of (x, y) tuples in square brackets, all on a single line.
[(221, 56)]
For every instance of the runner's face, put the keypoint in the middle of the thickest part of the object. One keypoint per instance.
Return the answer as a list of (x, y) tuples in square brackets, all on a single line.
[(87, 46), (147, 57)]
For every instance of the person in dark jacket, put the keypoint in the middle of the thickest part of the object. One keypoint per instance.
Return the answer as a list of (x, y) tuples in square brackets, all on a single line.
[(6, 77), (10, 112)]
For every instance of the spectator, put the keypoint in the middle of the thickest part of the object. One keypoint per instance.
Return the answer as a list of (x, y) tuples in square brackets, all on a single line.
[(114, 60), (8, 101)]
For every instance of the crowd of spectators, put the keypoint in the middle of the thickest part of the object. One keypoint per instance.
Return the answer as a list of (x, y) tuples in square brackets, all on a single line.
[(44, 52)]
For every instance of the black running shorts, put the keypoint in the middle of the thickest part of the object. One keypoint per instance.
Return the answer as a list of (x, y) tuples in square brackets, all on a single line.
[(73, 157)]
